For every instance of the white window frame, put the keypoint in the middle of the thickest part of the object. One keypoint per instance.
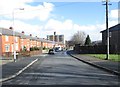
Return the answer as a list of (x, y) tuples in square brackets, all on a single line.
[(16, 46), (22, 47), (6, 38), (12, 47), (16, 39), (7, 47)]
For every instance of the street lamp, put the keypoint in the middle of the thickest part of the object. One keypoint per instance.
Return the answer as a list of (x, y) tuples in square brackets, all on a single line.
[(14, 32)]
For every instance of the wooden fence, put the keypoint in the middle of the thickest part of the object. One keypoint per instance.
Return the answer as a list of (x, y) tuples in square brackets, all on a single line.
[(98, 49)]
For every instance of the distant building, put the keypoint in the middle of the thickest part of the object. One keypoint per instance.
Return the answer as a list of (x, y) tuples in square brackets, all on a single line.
[(56, 38), (69, 44), (50, 37), (114, 33)]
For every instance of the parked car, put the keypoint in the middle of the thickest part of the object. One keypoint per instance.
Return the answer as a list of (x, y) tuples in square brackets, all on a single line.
[(51, 51), (57, 49)]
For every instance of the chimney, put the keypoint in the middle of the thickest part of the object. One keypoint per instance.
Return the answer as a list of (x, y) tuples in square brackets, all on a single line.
[(23, 32), (11, 28), (54, 33), (30, 34)]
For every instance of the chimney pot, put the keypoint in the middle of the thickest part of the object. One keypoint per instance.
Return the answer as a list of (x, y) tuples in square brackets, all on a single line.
[(30, 34), (11, 28), (23, 32)]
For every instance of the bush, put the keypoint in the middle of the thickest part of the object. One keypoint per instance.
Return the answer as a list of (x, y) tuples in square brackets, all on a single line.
[(44, 48), (31, 49), (34, 48), (24, 49)]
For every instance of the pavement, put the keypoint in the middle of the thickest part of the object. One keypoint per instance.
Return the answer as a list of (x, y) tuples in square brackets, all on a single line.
[(106, 65), (12, 69)]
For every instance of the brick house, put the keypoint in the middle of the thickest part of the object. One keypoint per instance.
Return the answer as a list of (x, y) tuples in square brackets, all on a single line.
[(24, 41), (50, 45), (114, 33), (7, 41), (45, 44), (21, 41)]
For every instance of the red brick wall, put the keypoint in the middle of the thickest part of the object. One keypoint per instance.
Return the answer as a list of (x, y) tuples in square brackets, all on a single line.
[(25, 42), (10, 42)]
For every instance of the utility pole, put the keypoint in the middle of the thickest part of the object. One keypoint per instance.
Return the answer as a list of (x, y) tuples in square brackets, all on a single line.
[(107, 29), (107, 56)]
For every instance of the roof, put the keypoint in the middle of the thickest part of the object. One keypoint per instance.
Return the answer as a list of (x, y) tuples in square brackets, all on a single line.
[(4, 31), (113, 28)]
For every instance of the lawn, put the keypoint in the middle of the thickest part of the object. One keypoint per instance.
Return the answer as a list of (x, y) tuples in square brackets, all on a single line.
[(112, 57)]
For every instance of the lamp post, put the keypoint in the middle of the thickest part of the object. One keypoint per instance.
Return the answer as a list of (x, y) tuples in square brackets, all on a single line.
[(14, 39)]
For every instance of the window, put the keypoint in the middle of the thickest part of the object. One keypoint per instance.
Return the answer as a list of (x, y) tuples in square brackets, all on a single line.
[(7, 48), (16, 46), (6, 38), (16, 39), (12, 48), (22, 47), (37, 43)]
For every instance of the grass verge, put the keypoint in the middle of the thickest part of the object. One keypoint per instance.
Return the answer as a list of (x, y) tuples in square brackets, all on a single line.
[(112, 57)]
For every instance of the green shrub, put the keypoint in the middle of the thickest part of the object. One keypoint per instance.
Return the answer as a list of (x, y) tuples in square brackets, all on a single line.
[(24, 49), (34, 48), (31, 49), (44, 48)]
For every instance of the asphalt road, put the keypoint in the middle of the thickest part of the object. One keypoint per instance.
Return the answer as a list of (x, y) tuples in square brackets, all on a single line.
[(61, 69)]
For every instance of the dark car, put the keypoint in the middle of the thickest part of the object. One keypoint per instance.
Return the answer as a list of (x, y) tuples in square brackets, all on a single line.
[(51, 51), (57, 49)]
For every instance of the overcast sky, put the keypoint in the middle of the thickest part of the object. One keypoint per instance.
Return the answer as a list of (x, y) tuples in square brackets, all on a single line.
[(43, 18)]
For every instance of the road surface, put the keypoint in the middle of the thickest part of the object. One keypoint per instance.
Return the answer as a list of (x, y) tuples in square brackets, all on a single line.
[(61, 69)]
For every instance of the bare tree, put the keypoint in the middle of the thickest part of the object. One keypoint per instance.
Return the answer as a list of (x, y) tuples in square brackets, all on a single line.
[(78, 38)]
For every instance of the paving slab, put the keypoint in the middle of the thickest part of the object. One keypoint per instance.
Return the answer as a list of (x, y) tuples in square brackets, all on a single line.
[(12, 68), (110, 66)]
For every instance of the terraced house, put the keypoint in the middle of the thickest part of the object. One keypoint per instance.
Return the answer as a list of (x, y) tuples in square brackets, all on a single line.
[(7, 41), (8, 38)]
